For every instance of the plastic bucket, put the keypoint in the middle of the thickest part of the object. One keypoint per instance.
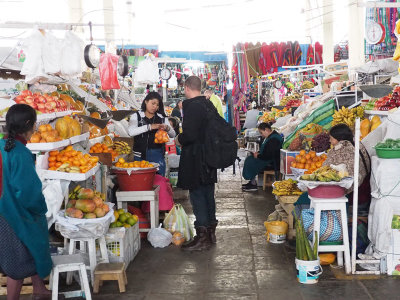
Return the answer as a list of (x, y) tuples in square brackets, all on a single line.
[(276, 231), (138, 180), (327, 191), (308, 271)]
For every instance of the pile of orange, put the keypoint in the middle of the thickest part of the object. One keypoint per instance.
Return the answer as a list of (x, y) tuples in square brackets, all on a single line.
[(161, 137), (85, 162), (103, 148), (136, 164), (309, 161), (45, 134)]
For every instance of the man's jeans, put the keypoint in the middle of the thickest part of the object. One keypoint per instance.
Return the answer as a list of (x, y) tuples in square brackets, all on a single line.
[(203, 203)]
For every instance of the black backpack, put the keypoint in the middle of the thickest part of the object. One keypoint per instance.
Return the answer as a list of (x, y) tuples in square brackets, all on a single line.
[(220, 140)]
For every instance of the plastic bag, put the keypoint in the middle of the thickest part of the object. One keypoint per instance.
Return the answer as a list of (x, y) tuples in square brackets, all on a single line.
[(51, 54), (108, 71), (159, 237), (33, 68), (177, 220), (147, 72), (72, 55)]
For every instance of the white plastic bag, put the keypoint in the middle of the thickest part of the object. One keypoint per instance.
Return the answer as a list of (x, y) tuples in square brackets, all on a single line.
[(147, 72), (33, 68), (51, 54), (159, 237), (72, 55)]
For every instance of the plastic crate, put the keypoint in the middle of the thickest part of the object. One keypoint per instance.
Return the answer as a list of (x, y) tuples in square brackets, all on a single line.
[(285, 167), (123, 244)]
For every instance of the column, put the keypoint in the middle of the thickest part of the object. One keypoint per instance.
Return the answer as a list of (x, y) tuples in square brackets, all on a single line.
[(356, 35), (109, 25), (327, 27)]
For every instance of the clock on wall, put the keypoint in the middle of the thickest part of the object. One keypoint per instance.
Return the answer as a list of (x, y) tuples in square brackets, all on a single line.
[(374, 33), (278, 84)]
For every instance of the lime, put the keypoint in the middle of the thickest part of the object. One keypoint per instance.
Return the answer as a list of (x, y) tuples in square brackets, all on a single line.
[(121, 211), (119, 224), (131, 221), (127, 226), (113, 225), (116, 215), (122, 218), (128, 214)]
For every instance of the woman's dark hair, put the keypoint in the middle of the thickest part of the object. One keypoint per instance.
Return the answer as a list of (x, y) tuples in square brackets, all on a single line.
[(152, 96), (20, 119), (175, 124), (264, 126), (342, 132)]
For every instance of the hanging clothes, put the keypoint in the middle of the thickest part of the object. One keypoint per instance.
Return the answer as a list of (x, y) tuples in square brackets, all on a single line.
[(310, 55), (296, 52), (318, 53)]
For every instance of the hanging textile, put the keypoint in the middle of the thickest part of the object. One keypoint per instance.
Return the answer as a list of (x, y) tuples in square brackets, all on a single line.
[(310, 55), (318, 53), (287, 55), (296, 52)]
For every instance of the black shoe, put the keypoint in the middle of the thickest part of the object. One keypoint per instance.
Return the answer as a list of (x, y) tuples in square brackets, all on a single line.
[(250, 188), (200, 242), (247, 184)]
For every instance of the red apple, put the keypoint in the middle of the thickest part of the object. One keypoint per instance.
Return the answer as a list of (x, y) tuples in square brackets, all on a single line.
[(34, 105), (48, 106), (26, 93), (40, 106), (53, 104), (29, 99)]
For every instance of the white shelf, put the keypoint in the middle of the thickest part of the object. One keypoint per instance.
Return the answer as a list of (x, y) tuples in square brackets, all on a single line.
[(46, 174), (44, 147), (376, 112)]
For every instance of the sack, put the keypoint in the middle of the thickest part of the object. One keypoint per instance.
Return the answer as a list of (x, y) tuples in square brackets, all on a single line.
[(331, 228), (108, 71), (159, 237), (177, 220), (220, 141)]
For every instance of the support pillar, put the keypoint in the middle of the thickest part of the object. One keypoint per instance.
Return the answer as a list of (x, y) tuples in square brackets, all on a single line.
[(327, 20), (356, 35), (109, 26)]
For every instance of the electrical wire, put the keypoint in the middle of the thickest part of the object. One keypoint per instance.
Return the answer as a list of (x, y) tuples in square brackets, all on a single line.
[(14, 36)]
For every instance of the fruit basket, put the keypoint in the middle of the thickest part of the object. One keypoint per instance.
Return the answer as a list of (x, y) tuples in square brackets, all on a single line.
[(387, 153)]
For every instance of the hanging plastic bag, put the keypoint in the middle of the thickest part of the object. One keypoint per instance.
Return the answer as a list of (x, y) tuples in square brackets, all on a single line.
[(72, 55), (51, 54), (33, 65), (147, 71), (177, 220), (159, 237), (108, 71)]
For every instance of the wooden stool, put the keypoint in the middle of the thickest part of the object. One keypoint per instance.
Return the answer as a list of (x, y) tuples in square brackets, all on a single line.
[(69, 263), (115, 271), (269, 182)]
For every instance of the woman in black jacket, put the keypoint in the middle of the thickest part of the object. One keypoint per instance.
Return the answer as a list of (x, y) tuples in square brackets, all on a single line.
[(267, 158)]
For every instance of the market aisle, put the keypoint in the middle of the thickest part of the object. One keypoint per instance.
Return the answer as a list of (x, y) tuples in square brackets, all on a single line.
[(241, 266)]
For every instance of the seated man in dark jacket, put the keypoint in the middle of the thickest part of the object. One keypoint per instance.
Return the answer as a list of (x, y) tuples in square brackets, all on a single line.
[(267, 158)]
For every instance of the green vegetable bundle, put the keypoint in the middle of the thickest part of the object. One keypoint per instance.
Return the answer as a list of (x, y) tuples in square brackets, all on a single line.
[(304, 251), (389, 144)]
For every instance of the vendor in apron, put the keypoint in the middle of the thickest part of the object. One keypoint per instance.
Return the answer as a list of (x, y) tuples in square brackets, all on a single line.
[(143, 127), (266, 159)]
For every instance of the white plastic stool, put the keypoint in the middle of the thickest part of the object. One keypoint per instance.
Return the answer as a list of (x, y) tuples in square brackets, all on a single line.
[(252, 147), (69, 263), (91, 242), (319, 205), (152, 196)]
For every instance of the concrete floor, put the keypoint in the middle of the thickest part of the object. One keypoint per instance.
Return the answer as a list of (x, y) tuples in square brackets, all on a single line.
[(241, 266)]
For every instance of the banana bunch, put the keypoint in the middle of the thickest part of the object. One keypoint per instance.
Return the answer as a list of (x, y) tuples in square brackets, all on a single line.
[(66, 167), (286, 187), (122, 147), (307, 85), (344, 116), (359, 112), (324, 174), (74, 194)]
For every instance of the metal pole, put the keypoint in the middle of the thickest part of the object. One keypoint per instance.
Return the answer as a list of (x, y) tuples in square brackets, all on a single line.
[(355, 196)]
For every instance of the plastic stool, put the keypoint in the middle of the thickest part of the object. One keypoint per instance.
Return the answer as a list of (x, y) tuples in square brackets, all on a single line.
[(152, 196), (91, 242), (319, 205), (69, 263), (115, 271)]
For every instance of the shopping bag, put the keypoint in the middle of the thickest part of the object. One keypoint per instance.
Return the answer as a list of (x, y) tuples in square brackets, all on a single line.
[(159, 237), (177, 220), (108, 71)]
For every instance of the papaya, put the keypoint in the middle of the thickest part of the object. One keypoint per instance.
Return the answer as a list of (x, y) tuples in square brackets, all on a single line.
[(75, 127), (326, 258), (365, 127), (74, 213), (85, 205), (98, 201), (85, 194), (90, 216), (62, 128), (71, 203), (99, 212), (95, 115), (375, 122)]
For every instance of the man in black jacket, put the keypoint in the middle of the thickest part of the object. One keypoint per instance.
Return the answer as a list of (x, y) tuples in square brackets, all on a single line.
[(194, 174)]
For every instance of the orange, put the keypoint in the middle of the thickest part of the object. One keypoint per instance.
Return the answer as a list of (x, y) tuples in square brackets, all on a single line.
[(64, 159), (58, 164), (307, 166), (76, 163), (319, 164), (301, 166), (91, 150), (118, 165), (312, 153), (303, 160), (313, 166), (298, 158), (53, 169), (303, 152), (323, 156), (54, 153), (293, 164), (121, 160), (308, 156), (69, 148), (52, 158), (150, 165), (42, 128), (131, 165), (52, 164)]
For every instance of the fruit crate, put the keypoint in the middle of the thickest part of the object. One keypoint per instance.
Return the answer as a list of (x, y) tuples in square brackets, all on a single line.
[(123, 244), (287, 157)]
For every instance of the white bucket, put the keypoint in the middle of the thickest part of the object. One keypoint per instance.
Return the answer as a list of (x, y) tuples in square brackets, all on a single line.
[(276, 238), (308, 271)]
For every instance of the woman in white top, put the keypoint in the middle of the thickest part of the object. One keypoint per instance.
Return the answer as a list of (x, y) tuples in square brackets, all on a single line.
[(143, 127)]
